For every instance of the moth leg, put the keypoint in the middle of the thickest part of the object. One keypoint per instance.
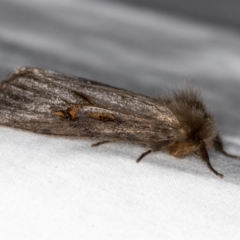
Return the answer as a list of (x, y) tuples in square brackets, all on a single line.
[(204, 156), (100, 143), (228, 154), (143, 155), (218, 145)]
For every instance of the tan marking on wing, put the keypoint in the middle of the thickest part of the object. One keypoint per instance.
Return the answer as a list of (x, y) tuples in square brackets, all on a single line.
[(70, 111), (101, 116), (60, 114), (73, 112)]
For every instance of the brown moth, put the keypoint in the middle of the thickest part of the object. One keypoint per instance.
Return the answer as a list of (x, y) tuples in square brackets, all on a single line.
[(53, 103)]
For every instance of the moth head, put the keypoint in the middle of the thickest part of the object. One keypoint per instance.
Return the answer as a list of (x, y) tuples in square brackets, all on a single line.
[(194, 120), (196, 124)]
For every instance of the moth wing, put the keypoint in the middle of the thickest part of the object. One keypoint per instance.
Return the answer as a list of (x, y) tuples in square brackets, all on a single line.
[(76, 90), (30, 98)]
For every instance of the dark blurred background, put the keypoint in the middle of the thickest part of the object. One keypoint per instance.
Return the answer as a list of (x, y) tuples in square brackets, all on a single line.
[(218, 12)]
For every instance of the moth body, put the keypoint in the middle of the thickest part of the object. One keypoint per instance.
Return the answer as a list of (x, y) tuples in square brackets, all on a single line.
[(52, 103)]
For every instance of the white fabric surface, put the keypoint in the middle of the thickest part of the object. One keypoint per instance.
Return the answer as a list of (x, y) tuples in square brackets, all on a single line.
[(59, 188)]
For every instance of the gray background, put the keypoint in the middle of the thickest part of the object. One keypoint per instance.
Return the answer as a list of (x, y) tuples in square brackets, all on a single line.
[(219, 13)]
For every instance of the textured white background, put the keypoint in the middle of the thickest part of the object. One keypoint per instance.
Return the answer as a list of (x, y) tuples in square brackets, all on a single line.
[(57, 188)]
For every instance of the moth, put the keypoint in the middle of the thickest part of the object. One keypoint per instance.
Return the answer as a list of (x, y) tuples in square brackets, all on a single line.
[(53, 103)]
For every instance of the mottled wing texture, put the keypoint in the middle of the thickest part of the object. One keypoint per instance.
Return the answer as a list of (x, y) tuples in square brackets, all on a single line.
[(31, 97)]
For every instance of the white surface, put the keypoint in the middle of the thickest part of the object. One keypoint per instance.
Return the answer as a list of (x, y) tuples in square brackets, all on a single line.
[(63, 189), (56, 188)]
